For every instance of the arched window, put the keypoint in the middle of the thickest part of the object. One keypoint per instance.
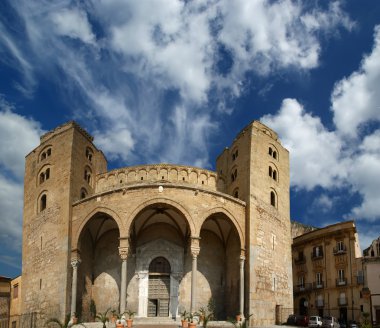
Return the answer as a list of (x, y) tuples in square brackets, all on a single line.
[(274, 175), (270, 171), (272, 151), (83, 193), (89, 154), (159, 265), (44, 175), (43, 202), (273, 198), (236, 193), (45, 153), (87, 175)]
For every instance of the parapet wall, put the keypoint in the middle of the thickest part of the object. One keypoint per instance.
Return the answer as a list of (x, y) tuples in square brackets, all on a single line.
[(156, 173)]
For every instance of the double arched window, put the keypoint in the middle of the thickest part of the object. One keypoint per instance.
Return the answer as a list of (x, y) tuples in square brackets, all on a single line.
[(272, 151), (273, 173), (44, 175), (87, 174), (46, 152)]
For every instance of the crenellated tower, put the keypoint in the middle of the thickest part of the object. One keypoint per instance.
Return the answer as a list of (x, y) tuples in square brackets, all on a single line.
[(256, 170), (58, 172)]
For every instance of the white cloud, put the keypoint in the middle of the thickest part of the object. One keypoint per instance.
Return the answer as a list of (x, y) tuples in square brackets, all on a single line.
[(323, 203), (308, 142), (356, 99), (363, 175), (74, 24), (11, 200), (18, 136)]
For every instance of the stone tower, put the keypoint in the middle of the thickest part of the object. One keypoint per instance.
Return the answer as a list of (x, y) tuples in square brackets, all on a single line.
[(59, 171), (256, 170)]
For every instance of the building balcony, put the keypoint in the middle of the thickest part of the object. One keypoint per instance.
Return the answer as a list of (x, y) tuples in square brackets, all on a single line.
[(340, 250), (342, 301), (341, 282), (301, 260), (318, 284), (303, 288), (315, 256), (319, 303)]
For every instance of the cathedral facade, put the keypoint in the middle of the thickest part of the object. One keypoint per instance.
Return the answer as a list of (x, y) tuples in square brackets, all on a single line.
[(157, 239)]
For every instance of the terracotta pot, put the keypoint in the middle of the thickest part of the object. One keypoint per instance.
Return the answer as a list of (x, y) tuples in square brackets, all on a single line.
[(119, 325), (238, 317), (113, 319), (75, 320), (192, 324), (129, 323), (185, 324)]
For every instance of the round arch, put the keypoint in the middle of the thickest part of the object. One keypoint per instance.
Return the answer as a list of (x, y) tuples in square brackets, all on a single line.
[(233, 220), (90, 215), (165, 201)]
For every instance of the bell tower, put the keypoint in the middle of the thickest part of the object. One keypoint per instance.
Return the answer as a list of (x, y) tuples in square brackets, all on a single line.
[(256, 170), (58, 172)]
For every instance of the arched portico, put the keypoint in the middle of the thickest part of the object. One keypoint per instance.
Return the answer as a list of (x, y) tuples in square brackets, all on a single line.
[(97, 252), (221, 264), (158, 230)]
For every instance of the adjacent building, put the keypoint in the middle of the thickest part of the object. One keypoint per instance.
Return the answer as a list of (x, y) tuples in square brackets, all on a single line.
[(328, 277), (159, 238), (371, 266), (15, 303), (5, 294)]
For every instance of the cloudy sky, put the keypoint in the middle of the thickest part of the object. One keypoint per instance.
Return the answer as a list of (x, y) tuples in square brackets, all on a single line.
[(175, 81)]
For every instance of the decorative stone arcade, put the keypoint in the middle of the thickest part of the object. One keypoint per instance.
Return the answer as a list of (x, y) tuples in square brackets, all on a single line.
[(158, 263)]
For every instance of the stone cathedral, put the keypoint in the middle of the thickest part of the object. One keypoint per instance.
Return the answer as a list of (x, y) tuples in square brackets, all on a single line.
[(157, 238)]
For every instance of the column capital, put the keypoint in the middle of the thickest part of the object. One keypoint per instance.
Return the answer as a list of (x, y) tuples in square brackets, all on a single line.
[(194, 247), (75, 262), (123, 252), (242, 254)]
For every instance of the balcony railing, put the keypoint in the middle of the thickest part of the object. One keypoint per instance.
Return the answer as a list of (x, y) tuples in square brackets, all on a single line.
[(340, 250), (300, 260), (315, 256), (319, 303), (342, 301), (307, 287), (341, 282), (318, 284)]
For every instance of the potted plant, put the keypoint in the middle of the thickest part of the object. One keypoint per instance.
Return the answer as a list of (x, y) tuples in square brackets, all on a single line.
[(240, 324), (191, 317), (67, 323), (130, 314), (184, 322), (103, 318), (120, 322), (114, 316), (205, 316)]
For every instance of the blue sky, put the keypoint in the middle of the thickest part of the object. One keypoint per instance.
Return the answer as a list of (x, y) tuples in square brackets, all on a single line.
[(175, 81)]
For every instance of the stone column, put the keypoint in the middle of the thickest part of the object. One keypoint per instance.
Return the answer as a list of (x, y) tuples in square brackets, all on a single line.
[(74, 263), (123, 252), (194, 253), (242, 259)]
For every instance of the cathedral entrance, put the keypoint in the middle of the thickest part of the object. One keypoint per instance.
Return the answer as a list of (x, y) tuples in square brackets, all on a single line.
[(159, 287)]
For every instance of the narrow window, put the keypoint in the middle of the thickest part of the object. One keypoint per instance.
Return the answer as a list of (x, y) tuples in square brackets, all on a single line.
[(42, 177), (273, 198), (43, 203), (15, 291), (48, 152), (274, 155), (43, 156), (270, 151), (142, 178), (40, 283), (47, 174), (236, 194), (183, 178), (270, 171), (83, 193), (232, 177), (275, 175)]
